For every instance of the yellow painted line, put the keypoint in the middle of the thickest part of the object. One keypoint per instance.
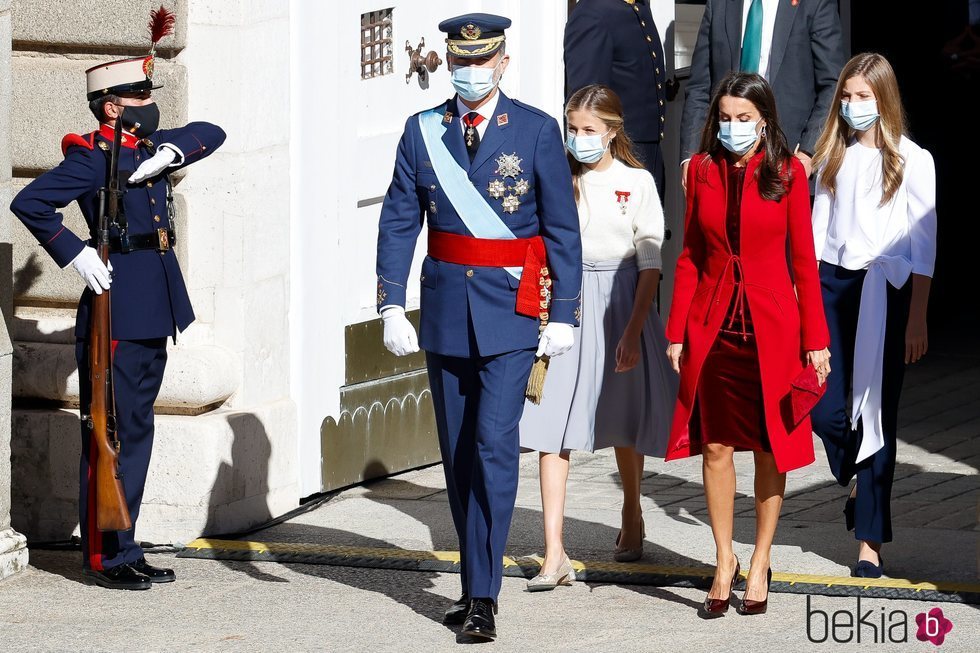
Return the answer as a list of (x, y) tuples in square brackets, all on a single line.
[(595, 566)]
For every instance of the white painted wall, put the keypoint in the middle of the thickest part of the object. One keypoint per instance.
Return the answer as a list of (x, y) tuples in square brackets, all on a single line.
[(344, 132)]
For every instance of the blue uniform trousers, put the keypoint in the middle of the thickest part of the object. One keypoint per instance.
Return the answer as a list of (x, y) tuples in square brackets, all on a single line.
[(478, 404), (831, 416), (137, 368)]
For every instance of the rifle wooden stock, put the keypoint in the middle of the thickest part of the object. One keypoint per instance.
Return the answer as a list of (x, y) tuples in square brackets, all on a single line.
[(111, 509)]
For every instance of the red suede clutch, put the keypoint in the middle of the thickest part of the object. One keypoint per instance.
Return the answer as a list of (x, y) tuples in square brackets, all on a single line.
[(804, 393)]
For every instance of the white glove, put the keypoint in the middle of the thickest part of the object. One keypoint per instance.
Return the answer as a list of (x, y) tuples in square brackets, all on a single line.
[(556, 339), (154, 165), (399, 337), (92, 270)]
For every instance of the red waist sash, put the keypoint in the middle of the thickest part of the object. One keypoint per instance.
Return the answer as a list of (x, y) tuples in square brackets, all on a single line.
[(533, 292)]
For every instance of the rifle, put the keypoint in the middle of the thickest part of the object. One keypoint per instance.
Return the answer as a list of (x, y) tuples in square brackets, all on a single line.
[(111, 509)]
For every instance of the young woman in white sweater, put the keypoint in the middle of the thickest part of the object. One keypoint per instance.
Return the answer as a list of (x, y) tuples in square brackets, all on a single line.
[(615, 388), (874, 227)]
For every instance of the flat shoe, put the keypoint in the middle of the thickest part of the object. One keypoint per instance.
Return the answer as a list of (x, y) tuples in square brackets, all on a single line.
[(868, 569)]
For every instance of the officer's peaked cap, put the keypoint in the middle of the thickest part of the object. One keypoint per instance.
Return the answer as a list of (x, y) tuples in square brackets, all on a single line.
[(474, 35)]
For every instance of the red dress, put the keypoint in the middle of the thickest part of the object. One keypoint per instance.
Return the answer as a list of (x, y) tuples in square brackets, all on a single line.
[(729, 399), (786, 321)]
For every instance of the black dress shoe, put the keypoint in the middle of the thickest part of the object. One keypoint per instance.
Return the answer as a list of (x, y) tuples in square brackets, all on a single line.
[(122, 577), (456, 614), (479, 620), (155, 574)]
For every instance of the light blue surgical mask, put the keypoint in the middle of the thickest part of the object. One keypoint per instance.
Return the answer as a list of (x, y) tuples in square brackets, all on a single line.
[(738, 137), (474, 83), (859, 115), (587, 149)]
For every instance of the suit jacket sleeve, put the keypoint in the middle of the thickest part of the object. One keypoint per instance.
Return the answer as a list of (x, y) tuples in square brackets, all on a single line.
[(400, 224), (37, 205), (559, 225), (698, 93), (588, 51), (827, 46), (813, 322), (688, 268), (192, 142)]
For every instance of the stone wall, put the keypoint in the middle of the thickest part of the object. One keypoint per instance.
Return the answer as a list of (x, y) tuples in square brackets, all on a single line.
[(13, 546), (224, 451)]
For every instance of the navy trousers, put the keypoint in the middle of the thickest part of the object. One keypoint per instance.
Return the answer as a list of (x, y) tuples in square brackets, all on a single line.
[(137, 369), (478, 405), (832, 415)]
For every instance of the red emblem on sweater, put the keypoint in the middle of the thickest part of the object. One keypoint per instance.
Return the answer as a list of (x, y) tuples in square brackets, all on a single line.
[(622, 198)]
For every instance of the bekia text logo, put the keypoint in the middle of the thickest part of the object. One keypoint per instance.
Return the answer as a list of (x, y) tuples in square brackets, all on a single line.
[(873, 625), (933, 626)]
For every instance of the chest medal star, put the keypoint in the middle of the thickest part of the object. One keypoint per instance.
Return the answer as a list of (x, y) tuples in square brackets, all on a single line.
[(511, 203), (496, 189), (509, 165)]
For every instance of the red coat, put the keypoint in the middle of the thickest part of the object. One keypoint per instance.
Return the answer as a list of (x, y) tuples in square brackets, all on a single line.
[(785, 327)]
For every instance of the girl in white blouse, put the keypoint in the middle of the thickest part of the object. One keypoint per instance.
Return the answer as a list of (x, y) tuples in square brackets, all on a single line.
[(615, 388), (874, 226)]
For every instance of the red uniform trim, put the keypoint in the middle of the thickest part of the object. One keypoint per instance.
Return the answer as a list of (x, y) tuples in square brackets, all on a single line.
[(94, 534), (483, 252), (60, 231), (128, 140), (70, 140)]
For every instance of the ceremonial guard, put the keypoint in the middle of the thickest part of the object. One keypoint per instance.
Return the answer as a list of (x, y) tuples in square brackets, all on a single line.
[(616, 43), (149, 300), (490, 176)]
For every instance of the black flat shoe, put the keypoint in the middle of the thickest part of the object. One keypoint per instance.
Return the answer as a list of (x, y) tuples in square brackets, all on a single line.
[(122, 577), (155, 574), (849, 513), (479, 622), (456, 614), (866, 569)]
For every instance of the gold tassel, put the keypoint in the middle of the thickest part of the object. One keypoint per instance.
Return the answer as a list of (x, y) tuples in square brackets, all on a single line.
[(535, 383)]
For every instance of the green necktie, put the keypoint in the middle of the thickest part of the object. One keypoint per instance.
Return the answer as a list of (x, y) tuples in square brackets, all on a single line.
[(752, 41)]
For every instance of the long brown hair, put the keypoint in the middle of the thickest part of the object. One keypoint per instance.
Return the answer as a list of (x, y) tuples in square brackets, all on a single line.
[(773, 173), (603, 103), (832, 144)]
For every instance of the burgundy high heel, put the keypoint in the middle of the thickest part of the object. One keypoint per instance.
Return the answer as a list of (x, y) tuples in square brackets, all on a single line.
[(716, 607), (750, 606)]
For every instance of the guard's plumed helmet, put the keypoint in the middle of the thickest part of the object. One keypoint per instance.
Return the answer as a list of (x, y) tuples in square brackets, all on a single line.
[(133, 75)]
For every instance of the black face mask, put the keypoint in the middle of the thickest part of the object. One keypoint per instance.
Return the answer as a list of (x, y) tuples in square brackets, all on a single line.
[(141, 121)]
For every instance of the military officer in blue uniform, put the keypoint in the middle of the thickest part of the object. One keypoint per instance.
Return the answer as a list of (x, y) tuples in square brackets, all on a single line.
[(489, 176), (616, 43), (149, 300)]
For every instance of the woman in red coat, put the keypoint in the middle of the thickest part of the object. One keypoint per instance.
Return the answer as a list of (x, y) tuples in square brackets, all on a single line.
[(739, 330)]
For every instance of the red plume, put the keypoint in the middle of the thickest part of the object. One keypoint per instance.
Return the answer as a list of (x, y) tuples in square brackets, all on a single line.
[(161, 24)]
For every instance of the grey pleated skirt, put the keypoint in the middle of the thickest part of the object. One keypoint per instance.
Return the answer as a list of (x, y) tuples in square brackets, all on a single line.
[(587, 405)]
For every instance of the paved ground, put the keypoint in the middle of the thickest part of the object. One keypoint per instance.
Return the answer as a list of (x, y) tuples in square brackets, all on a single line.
[(236, 606)]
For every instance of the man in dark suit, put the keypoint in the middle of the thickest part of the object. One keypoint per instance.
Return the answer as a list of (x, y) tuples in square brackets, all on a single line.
[(616, 43), (796, 45)]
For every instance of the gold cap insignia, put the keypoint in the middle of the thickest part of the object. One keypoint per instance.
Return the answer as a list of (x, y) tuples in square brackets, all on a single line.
[(470, 32)]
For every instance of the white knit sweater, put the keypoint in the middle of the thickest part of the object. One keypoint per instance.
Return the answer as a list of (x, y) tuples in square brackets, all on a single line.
[(616, 227)]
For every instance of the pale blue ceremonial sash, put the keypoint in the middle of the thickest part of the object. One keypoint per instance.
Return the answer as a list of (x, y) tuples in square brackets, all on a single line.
[(473, 209)]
